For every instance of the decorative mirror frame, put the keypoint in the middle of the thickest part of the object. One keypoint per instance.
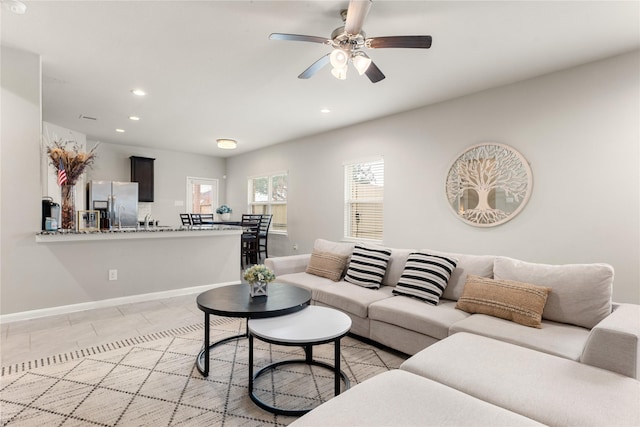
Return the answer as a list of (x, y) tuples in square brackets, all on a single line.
[(488, 184)]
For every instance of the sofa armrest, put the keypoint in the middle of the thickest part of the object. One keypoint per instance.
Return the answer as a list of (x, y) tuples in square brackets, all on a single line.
[(288, 264), (614, 343)]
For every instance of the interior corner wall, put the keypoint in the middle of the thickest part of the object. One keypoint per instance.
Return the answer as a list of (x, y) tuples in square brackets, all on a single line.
[(578, 128), (20, 152)]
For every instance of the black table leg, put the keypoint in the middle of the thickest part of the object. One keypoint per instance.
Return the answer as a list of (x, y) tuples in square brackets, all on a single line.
[(336, 365), (202, 360), (250, 362)]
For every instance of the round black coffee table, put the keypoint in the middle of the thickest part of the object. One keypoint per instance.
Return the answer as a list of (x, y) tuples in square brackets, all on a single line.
[(234, 301)]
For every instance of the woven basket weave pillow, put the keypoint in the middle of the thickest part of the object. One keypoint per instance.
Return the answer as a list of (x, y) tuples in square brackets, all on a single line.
[(507, 299), (326, 264)]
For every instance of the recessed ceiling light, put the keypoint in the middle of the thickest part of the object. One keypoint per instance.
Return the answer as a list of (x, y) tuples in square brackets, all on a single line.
[(227, 144), (134, 118), (120, 130), (325, 110), (15, 6), (138, 92)]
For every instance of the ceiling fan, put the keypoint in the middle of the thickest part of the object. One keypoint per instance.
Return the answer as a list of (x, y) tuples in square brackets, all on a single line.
[(348, 43)]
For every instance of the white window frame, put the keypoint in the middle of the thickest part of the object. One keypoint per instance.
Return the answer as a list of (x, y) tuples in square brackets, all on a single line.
[(269, 202), (348, 201), (198, 180)]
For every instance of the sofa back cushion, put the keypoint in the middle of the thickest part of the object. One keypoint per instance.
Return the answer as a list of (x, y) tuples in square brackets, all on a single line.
[(338, 248), (580, 293), (395, 266), (478, 265)]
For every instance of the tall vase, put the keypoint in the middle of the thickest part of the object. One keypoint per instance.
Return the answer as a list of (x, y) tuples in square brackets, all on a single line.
[(68, 208)]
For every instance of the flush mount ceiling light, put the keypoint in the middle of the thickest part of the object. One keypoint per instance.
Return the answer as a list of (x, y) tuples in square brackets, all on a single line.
[(227, 144), (120, 130), (134, 118), (138, 92), (15, 6)]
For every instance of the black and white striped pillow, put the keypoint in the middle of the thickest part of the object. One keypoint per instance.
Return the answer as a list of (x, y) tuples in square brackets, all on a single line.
[(367, 266), (425, 277)]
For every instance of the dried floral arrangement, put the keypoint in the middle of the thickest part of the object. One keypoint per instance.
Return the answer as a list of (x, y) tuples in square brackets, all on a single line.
[(74, 161)]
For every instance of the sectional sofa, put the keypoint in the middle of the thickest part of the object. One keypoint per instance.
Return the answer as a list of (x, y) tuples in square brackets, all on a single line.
[(495, 340), (579, 321)]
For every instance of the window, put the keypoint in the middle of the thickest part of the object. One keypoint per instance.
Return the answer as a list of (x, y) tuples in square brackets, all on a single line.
[(268, 195), (363, 199), (202, 195)]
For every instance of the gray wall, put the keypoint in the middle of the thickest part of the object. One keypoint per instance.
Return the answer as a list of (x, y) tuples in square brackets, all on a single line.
[(171, 169), (43, 275), (578, 128)]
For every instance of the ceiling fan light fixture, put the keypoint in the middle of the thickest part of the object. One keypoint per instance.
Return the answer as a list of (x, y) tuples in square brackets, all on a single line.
[(340, 73), (227, 144), (338, 58), (361, 62)]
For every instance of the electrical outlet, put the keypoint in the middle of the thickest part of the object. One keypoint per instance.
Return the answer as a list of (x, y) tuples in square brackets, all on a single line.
[(295, 246), (113, 274)]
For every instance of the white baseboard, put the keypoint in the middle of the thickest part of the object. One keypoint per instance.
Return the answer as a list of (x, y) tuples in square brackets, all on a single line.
[(66, 309)]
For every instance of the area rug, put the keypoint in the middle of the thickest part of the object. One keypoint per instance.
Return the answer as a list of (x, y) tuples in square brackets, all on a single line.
[(154, 382)]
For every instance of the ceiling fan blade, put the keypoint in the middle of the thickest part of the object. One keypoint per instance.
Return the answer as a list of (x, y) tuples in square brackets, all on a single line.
[(357, 12), (315, 67), (374, 73), (419, 42), (298, 38)]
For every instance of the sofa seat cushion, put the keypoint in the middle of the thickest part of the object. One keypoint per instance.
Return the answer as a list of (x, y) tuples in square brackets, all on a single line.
[(559, 339), (478, 265), (546, 388), (349, 298), (304, 280), (414, 315), (398, 398), (581, 293)]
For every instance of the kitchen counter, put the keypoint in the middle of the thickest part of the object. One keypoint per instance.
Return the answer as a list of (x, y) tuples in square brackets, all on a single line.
[(141, 233)]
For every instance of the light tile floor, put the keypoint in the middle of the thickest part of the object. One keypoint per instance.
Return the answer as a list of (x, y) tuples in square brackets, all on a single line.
[(28, 340)]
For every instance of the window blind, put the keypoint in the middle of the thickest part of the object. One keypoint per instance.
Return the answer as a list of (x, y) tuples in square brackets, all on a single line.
[(364, 197)]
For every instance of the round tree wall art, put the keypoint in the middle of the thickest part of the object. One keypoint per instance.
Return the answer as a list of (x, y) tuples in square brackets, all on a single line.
[(488, 184)]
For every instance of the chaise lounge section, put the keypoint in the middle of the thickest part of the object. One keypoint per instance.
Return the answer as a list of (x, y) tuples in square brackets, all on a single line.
[(472, 380)]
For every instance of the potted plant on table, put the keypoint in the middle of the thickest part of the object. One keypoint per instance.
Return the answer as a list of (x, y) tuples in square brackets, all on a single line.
[(258, 276), (225, 212)]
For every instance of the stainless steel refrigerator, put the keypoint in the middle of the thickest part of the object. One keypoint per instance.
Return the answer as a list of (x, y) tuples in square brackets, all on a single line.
[(117, 201)]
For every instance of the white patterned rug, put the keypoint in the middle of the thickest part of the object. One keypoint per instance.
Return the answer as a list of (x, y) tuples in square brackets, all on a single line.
[(152, 381)]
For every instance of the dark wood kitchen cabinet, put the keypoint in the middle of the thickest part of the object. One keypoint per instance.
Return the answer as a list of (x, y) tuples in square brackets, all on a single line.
[(142, 173)]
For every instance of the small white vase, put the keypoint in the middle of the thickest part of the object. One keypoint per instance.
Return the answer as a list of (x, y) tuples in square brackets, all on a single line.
[(225, 216), (258, 289)]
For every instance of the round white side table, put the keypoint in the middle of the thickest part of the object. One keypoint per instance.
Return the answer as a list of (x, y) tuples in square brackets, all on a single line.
[(308, 327)]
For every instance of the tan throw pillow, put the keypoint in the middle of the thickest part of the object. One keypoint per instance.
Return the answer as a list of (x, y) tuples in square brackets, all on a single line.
[(516, 301), (326, 264)]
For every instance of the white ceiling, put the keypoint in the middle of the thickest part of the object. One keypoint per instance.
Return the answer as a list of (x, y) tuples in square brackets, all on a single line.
[(211, 71)]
